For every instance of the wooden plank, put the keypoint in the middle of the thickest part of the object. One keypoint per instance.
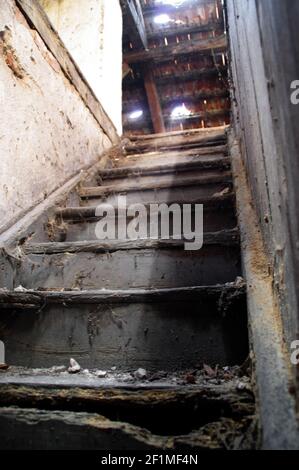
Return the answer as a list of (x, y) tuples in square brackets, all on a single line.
[(71, 392), (196, 95), (190, 28), (200, 164), (179, 141), (84, 213), (160, 54), (181, 75), (134, 25), (170, 155), (37, 17), (33, 429), (224, 237), (211, 132), (152, 8), (153, 100), (183, 181), (36, 299)]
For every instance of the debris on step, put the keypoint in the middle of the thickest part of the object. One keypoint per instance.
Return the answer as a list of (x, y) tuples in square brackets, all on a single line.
[(74, 367), (190, 379), (140, 374), (20, 289), (4, 366), (243, 384), (240, 282), (113, 368), (101, 374), (209, 371), (157, 376), (57, 369), (224, 192)]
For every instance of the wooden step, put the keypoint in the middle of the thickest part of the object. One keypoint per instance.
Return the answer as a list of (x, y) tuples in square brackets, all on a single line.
[(42, 429), (163, 335), (82, 213), (127, 186), (35, 299), (126, 269), (180, 134), (163, 407), (215, 219), (161, 169), (224, 238), (183, 195), (198, 139), (171, 156)]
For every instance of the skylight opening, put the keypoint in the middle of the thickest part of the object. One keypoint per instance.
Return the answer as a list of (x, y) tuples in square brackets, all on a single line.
[(175, 3), (180, 111), (136, 115), (162, 19)]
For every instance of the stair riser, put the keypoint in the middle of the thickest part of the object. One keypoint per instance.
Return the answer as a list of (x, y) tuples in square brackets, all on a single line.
[(174, 168), (159, 336), (44, 430), (148, 183), (168, 195), (213, 221), (128, 269)]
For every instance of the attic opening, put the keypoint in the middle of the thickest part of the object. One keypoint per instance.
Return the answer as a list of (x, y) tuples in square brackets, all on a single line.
[(175, 70)]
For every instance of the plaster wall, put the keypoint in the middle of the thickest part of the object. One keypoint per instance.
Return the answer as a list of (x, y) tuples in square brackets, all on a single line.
[(47, 134)]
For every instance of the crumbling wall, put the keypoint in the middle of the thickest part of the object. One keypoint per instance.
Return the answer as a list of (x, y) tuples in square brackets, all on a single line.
[(92, 32), (47, 133), (264, 62)]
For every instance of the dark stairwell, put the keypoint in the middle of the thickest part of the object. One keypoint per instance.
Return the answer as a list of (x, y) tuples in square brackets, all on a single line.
[(172, 346)]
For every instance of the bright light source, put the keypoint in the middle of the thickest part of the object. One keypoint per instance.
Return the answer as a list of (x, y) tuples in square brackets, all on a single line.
[(162, 19), (175, 3), (180, 111), (136, 114)]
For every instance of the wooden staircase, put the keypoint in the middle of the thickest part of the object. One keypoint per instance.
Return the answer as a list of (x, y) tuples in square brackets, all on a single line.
[(125, 304)]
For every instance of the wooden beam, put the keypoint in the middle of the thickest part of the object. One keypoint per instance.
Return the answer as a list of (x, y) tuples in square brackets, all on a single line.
[(189, 75), (134, 22), (186, 75), (163, 53), (198, 95), (192, 28), (37, 17), (166, 98), (157, 8), (153, 100)]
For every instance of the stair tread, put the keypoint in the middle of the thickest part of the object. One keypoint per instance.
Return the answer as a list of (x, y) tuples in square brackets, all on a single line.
[(200, 138), (174, 155), (89, 211), (162, 167), (157, 183), (25, 383), (34, 298), (223, 237)]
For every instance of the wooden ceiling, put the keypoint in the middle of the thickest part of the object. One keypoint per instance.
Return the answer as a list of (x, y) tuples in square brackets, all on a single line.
[(181, 61)]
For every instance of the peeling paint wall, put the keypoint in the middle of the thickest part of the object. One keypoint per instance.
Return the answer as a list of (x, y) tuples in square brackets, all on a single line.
[(92, 32), (46, 132)]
